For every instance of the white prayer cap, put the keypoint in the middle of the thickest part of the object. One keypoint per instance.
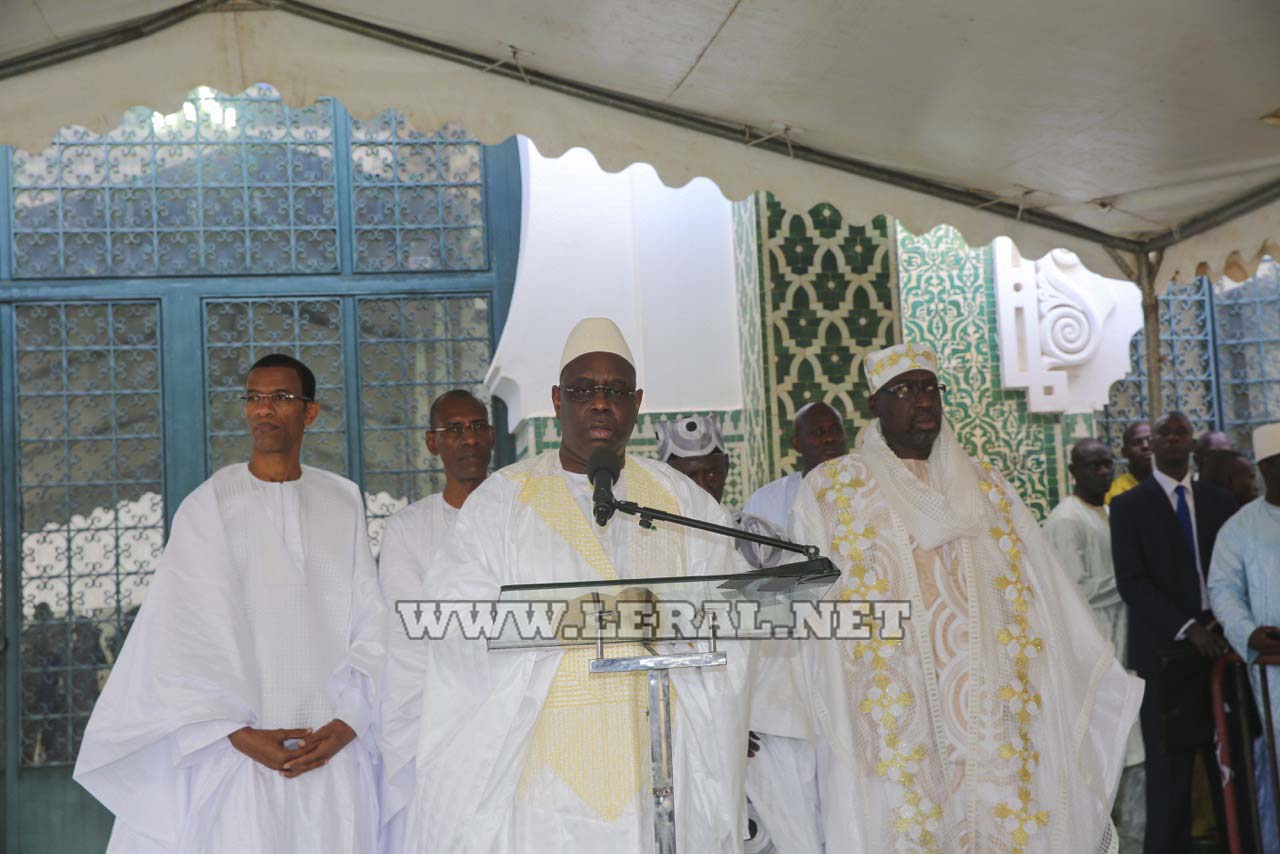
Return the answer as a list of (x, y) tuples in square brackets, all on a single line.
[(1266, 441), (883, 365), (695, 436), (595, 335)]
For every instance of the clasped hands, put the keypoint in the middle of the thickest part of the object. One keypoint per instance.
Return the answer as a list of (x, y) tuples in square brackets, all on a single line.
[(313, 748), (1207, 642)]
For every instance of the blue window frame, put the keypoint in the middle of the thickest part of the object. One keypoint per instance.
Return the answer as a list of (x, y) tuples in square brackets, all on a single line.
[(140, 272)]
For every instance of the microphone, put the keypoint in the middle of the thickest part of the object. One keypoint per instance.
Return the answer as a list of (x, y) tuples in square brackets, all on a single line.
[(603, 469)]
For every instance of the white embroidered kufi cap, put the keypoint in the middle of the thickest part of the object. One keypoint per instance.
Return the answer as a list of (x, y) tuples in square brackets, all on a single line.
[(1266, 441), (695, 436), (883, 365), (595, 335)]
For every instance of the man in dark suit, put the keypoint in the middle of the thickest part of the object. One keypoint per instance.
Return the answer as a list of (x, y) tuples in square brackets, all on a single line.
[(1162, 536)]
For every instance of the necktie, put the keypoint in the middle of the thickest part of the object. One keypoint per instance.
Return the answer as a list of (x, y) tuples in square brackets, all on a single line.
[(1184, 518)]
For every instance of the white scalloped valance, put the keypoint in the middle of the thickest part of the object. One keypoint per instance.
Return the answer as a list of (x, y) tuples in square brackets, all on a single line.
[(305, 59)]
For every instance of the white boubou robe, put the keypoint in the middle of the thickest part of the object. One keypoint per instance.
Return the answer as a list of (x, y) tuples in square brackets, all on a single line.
[(264, 612), (524, 752), (998, 723), (1244, 590), (412, 542), (772, 502)]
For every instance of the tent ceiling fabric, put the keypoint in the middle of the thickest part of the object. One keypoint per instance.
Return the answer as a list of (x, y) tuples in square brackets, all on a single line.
[(1127, 118)]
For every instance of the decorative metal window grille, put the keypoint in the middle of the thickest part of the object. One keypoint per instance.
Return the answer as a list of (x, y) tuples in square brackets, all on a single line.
[(1188, 375), (238, 333), (1128, 400), (1248, 328), (419, 199), (412, 350), (90, 486), (229, 185), (1187, 353)]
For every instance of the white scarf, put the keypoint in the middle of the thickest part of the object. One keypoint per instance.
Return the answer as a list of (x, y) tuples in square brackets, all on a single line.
[(949, 506)]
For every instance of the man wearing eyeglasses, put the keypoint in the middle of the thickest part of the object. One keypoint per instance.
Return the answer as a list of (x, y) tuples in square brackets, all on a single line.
[(237, 717), (413, 544), (524, 752), (998, 721)]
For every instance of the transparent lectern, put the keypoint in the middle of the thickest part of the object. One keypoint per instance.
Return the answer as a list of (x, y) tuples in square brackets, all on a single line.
[(658, 611)]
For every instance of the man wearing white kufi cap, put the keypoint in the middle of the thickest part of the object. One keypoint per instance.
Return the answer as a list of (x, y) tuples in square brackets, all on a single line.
[(997, 723), (1244, 593), (523, 752)]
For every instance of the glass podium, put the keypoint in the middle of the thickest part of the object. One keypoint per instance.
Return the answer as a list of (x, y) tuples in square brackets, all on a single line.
[(661, 610)]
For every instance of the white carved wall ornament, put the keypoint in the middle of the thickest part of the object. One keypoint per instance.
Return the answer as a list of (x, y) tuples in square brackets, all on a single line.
[(1064, 331)]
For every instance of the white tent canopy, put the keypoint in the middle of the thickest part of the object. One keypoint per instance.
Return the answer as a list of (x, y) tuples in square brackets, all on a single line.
[(1133, 126)]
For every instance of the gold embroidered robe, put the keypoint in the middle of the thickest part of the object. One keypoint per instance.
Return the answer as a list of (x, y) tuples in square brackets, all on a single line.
[(997, 724), (521, 752)]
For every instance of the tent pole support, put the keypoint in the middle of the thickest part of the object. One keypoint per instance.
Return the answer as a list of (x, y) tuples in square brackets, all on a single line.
[(1147, 267)]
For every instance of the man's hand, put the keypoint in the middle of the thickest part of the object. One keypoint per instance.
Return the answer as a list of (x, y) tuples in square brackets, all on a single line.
[(317, 748), (1207, 643), (753, 744), (266, 746), (1266, 640)]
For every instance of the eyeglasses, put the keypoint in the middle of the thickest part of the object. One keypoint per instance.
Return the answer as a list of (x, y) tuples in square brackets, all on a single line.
[(274, 399), (588, 393), (479, 428), (910, 391)]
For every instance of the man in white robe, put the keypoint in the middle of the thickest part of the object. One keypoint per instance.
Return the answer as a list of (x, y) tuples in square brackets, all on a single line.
[(524, 752), (997, 723), (818, 436), (1244, 592), (412, 546), (236, 719), (1080, 533), (695, 446)]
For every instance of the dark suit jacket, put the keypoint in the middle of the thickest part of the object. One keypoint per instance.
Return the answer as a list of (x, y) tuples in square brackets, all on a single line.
[(1155, 571)]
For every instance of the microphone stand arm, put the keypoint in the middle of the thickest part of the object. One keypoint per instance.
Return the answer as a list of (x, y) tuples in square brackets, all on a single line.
[(649, 514)]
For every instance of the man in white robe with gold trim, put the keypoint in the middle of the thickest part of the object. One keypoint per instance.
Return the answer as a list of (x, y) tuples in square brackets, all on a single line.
[(237, 719), (524, 752), (997, 723)]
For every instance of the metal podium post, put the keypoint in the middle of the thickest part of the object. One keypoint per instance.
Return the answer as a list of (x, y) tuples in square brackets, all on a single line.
[(659, 668)]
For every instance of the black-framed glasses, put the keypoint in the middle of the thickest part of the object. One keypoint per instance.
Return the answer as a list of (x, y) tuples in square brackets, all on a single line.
[(910, 391), (588, 393), (278, 398), (456, 431)]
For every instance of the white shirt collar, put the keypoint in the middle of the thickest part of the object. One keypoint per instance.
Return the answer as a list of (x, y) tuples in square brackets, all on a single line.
[(1168, 484)]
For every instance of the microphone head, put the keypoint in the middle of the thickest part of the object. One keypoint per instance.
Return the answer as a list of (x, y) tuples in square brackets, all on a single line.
[(602, 459)]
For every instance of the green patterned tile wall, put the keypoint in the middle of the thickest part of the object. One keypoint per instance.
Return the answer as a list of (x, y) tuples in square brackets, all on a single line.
[(948, 301), (828, 297), (536, 435), (756, 471)]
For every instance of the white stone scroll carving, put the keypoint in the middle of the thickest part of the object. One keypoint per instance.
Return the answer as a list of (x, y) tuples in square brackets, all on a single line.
[(1064, 331)]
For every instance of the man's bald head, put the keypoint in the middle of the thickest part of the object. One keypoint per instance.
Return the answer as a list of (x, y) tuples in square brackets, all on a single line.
[(1086, 448), (818, 435), (1091, 468), (1210, 440), (450, 399)]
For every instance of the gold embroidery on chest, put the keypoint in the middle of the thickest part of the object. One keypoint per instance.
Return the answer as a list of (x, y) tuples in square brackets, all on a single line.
[(592, 732)]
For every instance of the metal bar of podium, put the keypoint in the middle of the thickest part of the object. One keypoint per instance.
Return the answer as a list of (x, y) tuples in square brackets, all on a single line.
[(664, 806)]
